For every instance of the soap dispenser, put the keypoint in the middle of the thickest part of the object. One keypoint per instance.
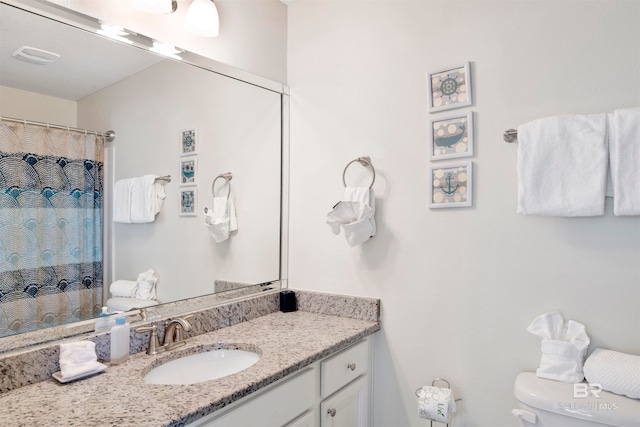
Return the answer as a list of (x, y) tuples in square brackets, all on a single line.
[(120, 341), (104, 322)]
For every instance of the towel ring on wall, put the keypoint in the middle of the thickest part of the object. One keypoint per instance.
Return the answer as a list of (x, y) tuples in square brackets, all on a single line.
[(227, 177), (364, 161)]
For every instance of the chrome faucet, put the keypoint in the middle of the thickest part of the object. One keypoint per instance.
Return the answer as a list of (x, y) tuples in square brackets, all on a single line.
[(173, 334)]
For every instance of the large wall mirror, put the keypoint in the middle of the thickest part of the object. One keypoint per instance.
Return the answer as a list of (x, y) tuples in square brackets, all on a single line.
[(150, 100)]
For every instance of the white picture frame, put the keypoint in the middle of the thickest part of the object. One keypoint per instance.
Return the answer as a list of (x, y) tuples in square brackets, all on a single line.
[(189, 201), (450, 185), (449, 88), (189, 170), (451, 136), (189, 142)]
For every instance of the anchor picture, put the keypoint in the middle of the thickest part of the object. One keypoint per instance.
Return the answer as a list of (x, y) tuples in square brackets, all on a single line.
[(451, 185), (452, 136)]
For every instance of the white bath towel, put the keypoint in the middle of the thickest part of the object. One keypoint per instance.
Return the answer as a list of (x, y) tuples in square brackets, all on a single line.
[(563, 347), (122, 201), (221, 220), (562, 166), (77, 358), (355, 214), (146, 285), (624, 155), (147, 198), (123, 288), (616, 372)]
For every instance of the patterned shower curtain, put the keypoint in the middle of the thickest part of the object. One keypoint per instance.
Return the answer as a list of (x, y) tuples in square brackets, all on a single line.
[(51, 199)]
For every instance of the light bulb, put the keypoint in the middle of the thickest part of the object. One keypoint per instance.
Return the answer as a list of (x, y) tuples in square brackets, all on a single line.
[(202, 18)]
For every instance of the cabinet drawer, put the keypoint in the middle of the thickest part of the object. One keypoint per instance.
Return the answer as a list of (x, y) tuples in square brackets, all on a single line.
[(274, 408), (343, 368)]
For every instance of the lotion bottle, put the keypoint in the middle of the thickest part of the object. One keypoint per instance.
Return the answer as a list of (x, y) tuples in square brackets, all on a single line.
[(120, 341)]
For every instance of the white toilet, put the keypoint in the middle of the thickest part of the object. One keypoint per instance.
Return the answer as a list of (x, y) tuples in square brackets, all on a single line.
[(548, 403)]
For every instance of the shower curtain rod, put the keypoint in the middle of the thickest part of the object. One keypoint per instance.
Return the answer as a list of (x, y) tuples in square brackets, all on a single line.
[(109, 135)]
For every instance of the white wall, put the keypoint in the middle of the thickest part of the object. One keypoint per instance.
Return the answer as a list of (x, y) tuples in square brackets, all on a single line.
[(459, 286), (253, 33), (238, 131), (21, 104)]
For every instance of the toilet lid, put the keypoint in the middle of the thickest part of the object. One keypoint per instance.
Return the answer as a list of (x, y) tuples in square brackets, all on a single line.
[(558, 397)]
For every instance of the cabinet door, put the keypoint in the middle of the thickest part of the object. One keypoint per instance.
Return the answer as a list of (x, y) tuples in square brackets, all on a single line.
[(349, 407), (306, 420)]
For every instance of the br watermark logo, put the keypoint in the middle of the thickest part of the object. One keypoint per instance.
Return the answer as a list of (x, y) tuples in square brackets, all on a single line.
[(584, 391)]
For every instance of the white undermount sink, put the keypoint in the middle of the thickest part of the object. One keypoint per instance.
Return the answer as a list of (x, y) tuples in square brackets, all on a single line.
[(200, 367)]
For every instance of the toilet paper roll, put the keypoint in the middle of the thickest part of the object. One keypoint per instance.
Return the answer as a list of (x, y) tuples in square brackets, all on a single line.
[(436, 403)]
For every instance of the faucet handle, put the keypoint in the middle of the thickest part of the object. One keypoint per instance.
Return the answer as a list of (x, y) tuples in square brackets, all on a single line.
[(154, 343)]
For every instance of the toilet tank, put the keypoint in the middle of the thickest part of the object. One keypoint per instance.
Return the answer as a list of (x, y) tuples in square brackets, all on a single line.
[(552, 403)]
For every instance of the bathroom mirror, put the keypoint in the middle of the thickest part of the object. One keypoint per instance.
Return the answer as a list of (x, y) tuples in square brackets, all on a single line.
[(151, 101)]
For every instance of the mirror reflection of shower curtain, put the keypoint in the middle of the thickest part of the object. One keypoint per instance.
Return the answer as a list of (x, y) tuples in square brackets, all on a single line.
[(51, 200)]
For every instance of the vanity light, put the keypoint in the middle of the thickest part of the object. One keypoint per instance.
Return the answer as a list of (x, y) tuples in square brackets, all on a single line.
[(202, 18), (114, 32), (166, 49), (156, 6)]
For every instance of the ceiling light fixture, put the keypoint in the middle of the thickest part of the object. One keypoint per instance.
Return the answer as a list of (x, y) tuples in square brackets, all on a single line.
[(35, 55), (202, 18), (156, 6)]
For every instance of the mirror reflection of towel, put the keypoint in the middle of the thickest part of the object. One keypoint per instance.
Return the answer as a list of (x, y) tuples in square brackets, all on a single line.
[(221, 220)]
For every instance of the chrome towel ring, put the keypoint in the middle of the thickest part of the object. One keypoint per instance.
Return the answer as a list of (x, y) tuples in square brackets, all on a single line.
[(365, 161), (227, 177)]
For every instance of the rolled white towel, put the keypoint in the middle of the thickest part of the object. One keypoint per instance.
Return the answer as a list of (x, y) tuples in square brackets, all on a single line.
[(123, 288), (616, 372), (146, 289), (77, 358)]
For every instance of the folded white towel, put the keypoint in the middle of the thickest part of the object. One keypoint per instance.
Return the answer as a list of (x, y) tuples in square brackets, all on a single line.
[(563, 347), (147, 198), (624, 155), (366, 197), (221, 220), (146, 285), (122, 201), (123, 288), (77, 358), (562, 166), (616, 372)]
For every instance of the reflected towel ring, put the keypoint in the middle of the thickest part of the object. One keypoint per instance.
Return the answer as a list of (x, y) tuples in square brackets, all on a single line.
[(364, 161), (226, 176)]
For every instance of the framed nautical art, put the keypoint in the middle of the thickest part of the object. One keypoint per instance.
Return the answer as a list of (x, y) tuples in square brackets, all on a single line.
[(451, 136), (189, 170), (188, 201), (449, 88), (451, 185), (189, 142)]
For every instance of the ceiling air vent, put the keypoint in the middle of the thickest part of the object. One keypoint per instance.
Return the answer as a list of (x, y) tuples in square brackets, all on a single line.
[(35, 55)]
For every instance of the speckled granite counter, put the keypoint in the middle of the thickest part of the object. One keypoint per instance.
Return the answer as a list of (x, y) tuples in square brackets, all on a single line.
[(120, 397)]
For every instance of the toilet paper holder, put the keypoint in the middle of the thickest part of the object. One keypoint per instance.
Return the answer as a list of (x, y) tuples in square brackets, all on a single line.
[(433, 384)]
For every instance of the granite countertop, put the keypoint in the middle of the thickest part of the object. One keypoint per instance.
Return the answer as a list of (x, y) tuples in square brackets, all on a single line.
[(119, 396)]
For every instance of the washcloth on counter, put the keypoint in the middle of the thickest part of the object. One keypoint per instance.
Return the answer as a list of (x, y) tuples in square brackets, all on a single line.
[(562, 166), (616, 372), (78, 358), (624, 158), (563, 347)]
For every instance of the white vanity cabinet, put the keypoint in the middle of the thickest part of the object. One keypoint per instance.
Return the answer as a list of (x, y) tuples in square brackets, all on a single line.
[(333, 392)]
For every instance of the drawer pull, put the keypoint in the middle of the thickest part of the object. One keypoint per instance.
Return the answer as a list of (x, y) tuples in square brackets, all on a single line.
[(331, 412), (351, 366)]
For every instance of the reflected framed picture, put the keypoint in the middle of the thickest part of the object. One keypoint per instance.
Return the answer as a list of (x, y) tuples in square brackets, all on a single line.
[(449, 88), (188, 201), (189, 142), (451, 185), (451, 136), (189, 170)]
